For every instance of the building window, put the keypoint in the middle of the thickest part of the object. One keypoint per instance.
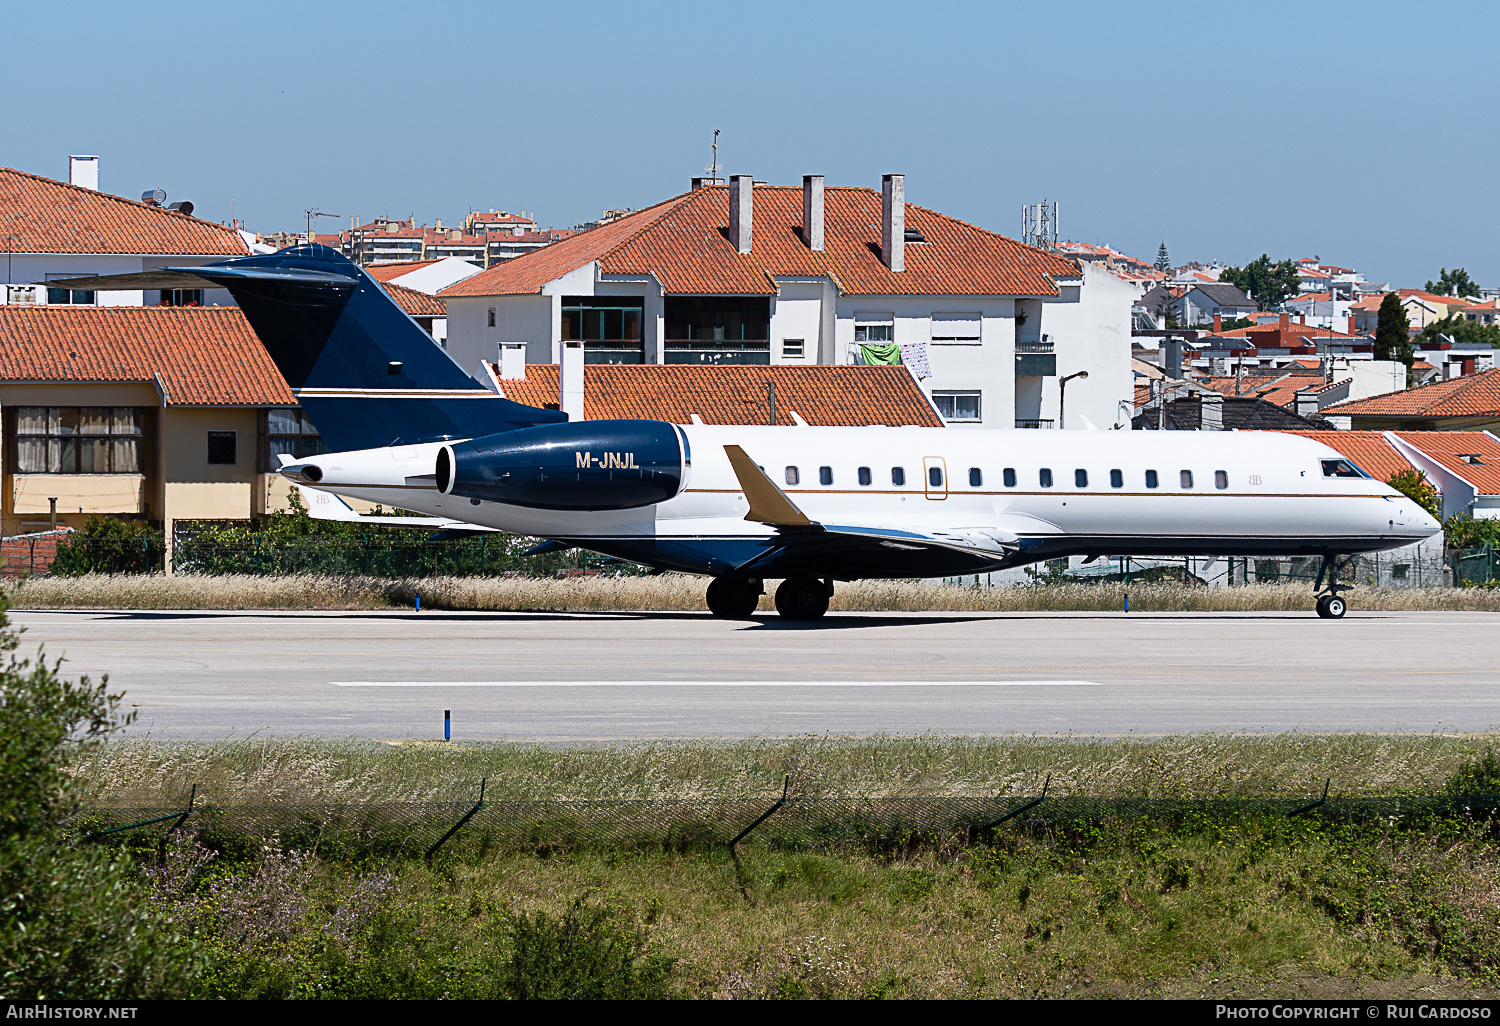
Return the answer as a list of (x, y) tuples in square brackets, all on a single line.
[(864, 476), (792, 349), (289, 432), (898, 476), (956, 329), (1045, 477), (1080, 478), (1116, 479), (1151, 481), (958, 407), (596, 318), (492, 317), (792, 475), (1186, 477), (1008, 475), (976, 479), (66, 297), (874, 327), (180, 297), (825, 475), (223, 447), (78, 440)]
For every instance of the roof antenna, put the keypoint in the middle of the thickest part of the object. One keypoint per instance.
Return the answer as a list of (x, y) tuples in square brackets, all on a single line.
[(713, 169), (312, 213)]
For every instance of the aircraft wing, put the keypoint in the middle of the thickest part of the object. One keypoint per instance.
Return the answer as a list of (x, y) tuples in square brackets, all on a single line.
[(802, 540)]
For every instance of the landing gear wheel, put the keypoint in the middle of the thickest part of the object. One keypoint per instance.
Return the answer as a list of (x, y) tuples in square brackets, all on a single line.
[(731, 598), (802, 598), (1321, 605), (1335, 607)]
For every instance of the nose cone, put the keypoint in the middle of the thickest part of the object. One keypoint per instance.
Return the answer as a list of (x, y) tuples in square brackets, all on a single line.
[(1413, 521)]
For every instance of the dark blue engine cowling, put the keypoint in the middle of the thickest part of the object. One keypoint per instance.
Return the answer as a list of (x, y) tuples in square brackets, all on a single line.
[(588, 465)]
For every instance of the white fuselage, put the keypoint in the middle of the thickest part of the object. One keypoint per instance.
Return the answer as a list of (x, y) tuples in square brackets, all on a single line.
[(1214, 492)]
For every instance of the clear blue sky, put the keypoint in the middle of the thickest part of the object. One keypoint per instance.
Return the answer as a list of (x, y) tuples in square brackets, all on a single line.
[(1357, 131)]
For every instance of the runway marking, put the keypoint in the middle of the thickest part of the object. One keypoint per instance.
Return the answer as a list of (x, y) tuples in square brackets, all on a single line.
[(711, 684)]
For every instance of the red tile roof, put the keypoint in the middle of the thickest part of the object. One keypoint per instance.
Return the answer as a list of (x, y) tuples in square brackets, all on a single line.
[(1281, 389), (684, 243), (385, 272), (1446, 447), (1473, 395), (48, 216), (204, 356), (416, 304), (1373, 301), (1273, 334), (822, 396)]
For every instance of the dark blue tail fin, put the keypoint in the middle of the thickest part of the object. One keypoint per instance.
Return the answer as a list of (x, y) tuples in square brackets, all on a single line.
[(365, 372)]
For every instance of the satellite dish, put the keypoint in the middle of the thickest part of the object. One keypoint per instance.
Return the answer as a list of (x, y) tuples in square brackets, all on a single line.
[(154, 197)]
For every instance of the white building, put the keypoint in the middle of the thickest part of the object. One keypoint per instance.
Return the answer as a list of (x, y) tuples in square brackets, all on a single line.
[(755, 274), (52, 230)]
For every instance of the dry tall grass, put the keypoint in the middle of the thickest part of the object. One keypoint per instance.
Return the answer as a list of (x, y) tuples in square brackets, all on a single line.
[(355, 771), (679, 592)]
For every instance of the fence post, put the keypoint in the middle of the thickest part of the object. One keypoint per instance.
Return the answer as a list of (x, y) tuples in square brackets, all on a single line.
[(1312, 805), (178, 816), (785, 788), (467, 816), (1013, 813)]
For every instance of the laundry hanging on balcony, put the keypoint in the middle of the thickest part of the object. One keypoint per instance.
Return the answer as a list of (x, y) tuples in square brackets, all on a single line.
[(880, 354), (914, 355)]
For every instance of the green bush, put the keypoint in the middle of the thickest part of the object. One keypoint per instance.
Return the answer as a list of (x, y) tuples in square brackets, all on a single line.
[(71, 924), (587, 952), (109, 546), (1477, 776)]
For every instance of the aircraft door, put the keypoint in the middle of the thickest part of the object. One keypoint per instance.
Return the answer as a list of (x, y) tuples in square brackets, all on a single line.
[(935, 477)]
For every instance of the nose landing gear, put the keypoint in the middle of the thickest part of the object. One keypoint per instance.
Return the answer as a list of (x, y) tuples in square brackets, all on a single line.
[(1329, 605)]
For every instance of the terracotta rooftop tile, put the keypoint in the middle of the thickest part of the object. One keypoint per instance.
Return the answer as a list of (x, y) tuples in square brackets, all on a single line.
[(1472, 395), (416, 304), (48, 216), (385, 272), (1448, 448), (822, 396), (683, 242), (1368, 449), (206, 356)]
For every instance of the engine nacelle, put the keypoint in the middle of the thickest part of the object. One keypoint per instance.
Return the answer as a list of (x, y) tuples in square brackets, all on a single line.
[(588, 465)]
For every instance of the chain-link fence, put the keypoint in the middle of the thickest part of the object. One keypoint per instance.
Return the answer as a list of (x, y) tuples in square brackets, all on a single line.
[(474, 817)]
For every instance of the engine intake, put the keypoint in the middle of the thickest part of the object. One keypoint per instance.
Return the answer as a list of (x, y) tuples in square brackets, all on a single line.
[(589, 465)]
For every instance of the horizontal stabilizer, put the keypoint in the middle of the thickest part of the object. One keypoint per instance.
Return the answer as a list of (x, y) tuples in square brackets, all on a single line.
[(323, 505), (768, 503)]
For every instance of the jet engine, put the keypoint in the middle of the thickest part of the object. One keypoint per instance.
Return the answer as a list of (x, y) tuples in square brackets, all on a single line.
[(588, 465)]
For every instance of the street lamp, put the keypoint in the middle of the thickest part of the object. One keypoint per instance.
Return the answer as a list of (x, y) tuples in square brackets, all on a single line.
[(1062, 398)]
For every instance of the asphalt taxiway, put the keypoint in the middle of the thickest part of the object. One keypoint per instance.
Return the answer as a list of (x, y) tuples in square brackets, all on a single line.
[(615, 676)]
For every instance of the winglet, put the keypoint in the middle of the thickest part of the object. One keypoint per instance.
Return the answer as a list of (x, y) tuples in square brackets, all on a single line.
[(768, 503)]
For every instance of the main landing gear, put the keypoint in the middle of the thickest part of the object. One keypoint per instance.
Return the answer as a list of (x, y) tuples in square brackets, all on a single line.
[(1329, 605), (798, 598)]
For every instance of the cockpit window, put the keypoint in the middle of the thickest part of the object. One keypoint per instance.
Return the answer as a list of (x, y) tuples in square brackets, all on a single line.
[(1341, 468)]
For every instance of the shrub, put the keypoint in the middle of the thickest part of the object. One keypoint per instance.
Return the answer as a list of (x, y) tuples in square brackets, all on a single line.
[(109, 546), (1477, 776), (70, 925), (587, 952)]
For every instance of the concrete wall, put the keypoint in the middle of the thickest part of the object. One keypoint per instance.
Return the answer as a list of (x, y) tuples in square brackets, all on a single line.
[(797, 312), (194, 488), (1090, 327)]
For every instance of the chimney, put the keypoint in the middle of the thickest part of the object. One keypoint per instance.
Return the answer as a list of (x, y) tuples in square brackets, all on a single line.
[(1286, 320), (570, 380), (741, 211), (812, 212), (1211, 412), (1351, 325), (83, 171), (1173, 366), (893, 221), (1218, 323), (513, 362)]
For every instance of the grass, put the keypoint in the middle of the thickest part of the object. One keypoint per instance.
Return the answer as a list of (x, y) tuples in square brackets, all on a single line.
[(676, 592), (1196, 765)]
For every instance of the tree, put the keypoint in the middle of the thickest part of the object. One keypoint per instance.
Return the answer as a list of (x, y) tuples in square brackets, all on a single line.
[(1413, 484), (1270, 284), (1393, 331), (1163, 262), (1463, 331), (1453, 283)]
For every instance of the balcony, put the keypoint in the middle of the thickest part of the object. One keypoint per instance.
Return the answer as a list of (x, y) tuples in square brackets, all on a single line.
[(1035, 363), (1025, 423), (614, 350), (1035, 347), (707, 351)]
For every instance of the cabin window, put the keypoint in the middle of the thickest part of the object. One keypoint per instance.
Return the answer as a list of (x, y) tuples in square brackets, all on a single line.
[(792, 475), (1080, 478), (976, 479), (825, 475), (1186, 477), (1151, 481), (1340, 468), (898, 476), (1117, 479), (864, 475), (1045, 477), (1009, 476), (935, 476), (1221, 479)]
